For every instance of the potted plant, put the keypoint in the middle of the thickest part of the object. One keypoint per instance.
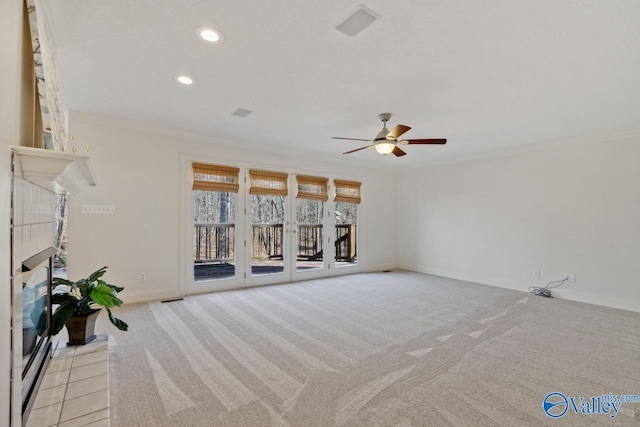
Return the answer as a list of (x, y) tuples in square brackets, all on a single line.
[(79, 305)]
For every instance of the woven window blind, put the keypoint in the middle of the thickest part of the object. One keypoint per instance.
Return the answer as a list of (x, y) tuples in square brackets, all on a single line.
[(215, 178), (312, 187), (347, 191), (268, 183)]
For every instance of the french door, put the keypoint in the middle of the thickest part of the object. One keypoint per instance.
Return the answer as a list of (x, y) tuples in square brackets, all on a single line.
[(272, 229), (285, 235)]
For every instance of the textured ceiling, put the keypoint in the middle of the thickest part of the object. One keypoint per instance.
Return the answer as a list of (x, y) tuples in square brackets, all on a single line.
[(488, 75)]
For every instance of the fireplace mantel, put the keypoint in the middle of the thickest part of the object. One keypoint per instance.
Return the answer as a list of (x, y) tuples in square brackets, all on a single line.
[(56, 171)]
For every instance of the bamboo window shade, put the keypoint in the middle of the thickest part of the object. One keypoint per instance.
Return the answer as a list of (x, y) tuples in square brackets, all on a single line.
[(268, 183), (312, 187), (347, 191), (215, 178)]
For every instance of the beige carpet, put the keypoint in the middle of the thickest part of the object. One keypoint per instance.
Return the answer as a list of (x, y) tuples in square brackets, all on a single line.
[(385, 349)]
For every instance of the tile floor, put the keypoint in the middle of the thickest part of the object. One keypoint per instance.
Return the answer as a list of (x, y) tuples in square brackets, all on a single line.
[(75, 388)]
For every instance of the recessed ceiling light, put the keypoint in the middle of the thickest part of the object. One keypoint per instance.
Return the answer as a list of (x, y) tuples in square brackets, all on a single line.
[(209, 35), (185, 80)]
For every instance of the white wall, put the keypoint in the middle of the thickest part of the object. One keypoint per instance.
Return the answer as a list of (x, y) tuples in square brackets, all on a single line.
[(10, 88), (138, 171), (573, 208)]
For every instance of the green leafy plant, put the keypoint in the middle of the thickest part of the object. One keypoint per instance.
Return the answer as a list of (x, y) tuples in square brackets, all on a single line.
[(82, 297)]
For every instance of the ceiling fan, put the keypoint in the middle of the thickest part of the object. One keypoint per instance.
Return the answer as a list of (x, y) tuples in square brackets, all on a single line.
[(386, 141)]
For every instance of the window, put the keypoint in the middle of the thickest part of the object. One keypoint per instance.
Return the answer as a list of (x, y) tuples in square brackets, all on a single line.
[(215, 191), (268, 191), (309, 224), (270, 227), (347, 198)]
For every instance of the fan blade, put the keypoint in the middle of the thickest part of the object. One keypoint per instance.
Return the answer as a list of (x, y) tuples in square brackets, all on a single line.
[(398, 152), (357, 149), (397, 131), (424, 141), (351, 139)]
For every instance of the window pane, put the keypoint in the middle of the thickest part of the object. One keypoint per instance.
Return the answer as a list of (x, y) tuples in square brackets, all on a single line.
[(214, 234), (309, 218), (346, 233), (267, 248)]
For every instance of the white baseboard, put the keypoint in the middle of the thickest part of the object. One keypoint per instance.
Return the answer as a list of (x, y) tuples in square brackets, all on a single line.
[(568, 294), (150, 295), (381, 267), (602, 300)]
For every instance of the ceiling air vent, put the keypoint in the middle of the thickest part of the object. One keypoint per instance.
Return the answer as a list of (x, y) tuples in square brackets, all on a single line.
[(358, 21), (241, 112)]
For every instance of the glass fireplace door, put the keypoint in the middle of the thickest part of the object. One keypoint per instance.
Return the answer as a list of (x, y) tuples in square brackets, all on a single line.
[(36, 320)]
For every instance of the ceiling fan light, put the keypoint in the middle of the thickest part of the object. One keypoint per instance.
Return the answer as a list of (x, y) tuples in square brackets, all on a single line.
[(384, 147)]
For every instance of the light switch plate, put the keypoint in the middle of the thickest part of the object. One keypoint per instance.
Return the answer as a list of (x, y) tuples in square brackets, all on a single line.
[(98, 210)]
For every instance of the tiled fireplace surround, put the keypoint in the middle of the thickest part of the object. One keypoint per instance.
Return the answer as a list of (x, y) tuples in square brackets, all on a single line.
[(32, 231), (76, 379)]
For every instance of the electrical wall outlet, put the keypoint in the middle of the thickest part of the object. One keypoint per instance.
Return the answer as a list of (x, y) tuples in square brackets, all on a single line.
[(570, 277), (142, 277), (535, 273)]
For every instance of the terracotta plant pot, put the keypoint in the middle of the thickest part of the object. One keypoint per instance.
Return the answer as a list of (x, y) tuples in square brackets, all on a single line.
[(81, 329)]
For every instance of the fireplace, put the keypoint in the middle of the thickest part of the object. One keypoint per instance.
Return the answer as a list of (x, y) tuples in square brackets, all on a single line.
[(39, 176), (36, 322), (33, 226)]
